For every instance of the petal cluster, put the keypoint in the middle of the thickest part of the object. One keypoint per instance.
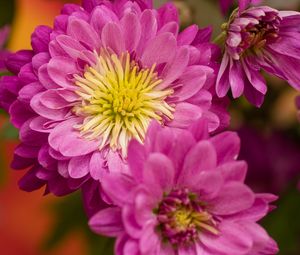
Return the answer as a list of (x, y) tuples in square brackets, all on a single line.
[(95, 81), (184, 194), (259, 38)]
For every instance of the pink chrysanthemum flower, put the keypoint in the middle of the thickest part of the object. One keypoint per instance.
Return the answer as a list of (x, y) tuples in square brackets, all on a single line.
[(243, 4), (259, 38), (96, 80), (4, 32), (185, 195)]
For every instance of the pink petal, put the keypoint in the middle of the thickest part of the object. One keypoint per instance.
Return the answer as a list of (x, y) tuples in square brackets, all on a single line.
[(158, 173), (200, 158), (223, 84), (233, 239), (96, 165), (227, 145), (234, 171), (131, 29), (118, 187), (174, 69), (60, 69), (79, 166), (102, 15), (148, 29), (227, 202), (187, 36), (83, 32), (107, 222), (136, 159), (184, 115), (159, 50), (112, 38), (65, 139)]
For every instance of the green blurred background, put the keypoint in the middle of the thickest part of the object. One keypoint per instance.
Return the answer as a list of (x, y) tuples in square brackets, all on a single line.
[(31, 224)]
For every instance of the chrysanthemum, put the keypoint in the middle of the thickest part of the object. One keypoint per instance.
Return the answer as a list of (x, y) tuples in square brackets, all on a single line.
[(96, 80), (4, 32), (259, 38), (184, 194)]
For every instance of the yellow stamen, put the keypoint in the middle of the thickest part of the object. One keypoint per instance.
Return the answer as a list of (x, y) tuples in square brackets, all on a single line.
[(119, 100)]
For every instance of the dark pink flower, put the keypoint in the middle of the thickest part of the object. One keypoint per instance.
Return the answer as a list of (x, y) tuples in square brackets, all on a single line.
[(259, 38), (184, 195), (95, 80)]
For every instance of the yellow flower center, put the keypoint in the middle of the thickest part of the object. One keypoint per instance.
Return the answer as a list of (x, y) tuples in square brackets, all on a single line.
[(119, 100), (185, 218)]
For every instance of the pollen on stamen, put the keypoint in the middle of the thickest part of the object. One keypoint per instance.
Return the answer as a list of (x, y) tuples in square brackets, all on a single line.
[(119, 100)]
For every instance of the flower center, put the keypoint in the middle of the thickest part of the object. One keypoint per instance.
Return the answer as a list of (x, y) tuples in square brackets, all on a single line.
[(182, 216), (119, 99), (256, 36)]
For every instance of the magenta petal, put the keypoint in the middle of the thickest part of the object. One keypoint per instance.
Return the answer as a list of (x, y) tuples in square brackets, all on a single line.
[(51, 114), (233, 240), (227, 202), (234, 171), (96, 165), (148, 29), (175, 68), (66, 139), (185, 114), (149, 241), (187, 250), (227, 145), (236, 78), (107, 222), (60, 69), (118, 187), (132, 227), (16, 61), (19, 113), (102, 15), (160, 49), (30, 182), (168, 13), (187, 36), (131, 29), (201, 157), (79, 166), (207, 184), (158, 173), (192, 80), (223, 83), (262, 242), (171, 27), (53, 100), (112, 38), (136, 159), (83, 32), (29, 91), (71, 46)]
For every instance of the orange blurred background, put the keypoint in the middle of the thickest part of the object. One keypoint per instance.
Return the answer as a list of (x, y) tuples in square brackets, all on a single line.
[(24, 217)]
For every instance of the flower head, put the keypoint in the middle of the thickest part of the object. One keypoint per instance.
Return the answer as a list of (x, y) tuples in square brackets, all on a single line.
[(184, 194), (259, 38), (96, 80)]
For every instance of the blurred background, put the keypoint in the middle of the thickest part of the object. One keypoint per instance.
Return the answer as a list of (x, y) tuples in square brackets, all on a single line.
[(31, 224)]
